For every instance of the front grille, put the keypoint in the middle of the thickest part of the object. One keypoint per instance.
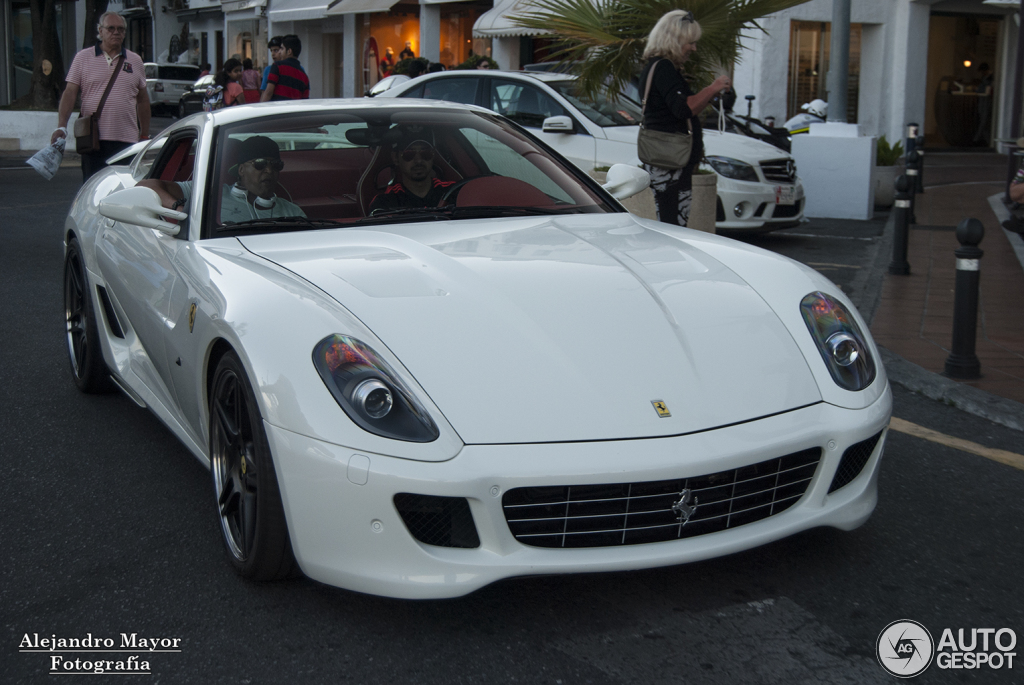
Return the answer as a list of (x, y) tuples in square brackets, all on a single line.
[(439, 521), (637, 513), (779, 170), (853, 461), (787, 211), (719, 210)]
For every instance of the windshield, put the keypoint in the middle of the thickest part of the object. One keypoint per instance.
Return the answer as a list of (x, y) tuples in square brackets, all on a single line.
[(383, 165), (606, 111)]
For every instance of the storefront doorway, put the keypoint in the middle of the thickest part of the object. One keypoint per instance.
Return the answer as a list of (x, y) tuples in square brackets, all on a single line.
[(962, 58)]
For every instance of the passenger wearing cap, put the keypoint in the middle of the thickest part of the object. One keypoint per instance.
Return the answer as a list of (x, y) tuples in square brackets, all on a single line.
[(251, 197), (414, 184)]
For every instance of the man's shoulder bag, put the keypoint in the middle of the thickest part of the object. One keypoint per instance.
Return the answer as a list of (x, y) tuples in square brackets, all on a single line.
[(87, 128), (663, 149)]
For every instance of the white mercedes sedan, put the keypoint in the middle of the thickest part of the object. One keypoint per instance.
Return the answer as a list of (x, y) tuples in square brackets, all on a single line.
[(420, 352), (758, 186)]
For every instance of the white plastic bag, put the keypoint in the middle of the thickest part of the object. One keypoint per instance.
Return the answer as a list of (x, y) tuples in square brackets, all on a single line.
[(48, 160)]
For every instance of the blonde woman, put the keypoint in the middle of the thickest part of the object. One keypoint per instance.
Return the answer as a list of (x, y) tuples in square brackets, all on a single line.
[(671, 105)]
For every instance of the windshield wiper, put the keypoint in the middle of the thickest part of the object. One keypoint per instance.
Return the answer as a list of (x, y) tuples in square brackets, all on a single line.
[(454, 212), (281, 222)]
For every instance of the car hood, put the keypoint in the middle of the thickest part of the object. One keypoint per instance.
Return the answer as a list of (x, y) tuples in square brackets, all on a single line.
[(733, 145), (559, 328)]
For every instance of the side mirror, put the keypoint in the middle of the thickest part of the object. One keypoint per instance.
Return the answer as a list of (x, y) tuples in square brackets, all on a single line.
[(625, 181), (141, 206), (559, 124)]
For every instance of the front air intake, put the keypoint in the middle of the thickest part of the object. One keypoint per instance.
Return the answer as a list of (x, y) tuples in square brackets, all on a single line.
[(854, 459), (438, 521)]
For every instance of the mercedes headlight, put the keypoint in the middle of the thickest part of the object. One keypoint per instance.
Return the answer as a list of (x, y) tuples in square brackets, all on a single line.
[(370, 392), (839, 340), (733, 168)]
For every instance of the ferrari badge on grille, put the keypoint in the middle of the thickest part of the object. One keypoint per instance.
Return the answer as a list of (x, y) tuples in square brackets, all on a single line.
[(661, 408), (191, 317)]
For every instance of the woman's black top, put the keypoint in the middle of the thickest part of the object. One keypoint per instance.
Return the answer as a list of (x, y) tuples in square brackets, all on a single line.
[(666, 108)]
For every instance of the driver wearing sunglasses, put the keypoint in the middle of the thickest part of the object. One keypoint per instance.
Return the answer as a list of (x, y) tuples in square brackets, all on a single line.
[(414, 184), (258, 167)]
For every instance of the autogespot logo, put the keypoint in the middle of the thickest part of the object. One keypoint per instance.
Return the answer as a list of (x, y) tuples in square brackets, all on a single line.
[(905, 648)]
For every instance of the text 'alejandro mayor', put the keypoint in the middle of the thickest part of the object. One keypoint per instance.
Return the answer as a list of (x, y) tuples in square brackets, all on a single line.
[(128, 641)]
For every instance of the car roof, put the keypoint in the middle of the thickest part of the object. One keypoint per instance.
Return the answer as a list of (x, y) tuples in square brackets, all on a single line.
[(172, 64), (230, 115)]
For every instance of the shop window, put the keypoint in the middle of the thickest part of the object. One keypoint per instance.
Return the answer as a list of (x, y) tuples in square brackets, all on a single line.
[(809, 47)]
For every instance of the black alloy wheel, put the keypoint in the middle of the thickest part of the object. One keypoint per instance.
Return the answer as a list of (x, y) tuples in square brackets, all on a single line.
[(245, 484), (87, 366)]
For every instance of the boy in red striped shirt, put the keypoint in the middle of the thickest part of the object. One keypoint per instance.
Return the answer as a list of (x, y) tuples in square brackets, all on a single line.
[(287, 80)]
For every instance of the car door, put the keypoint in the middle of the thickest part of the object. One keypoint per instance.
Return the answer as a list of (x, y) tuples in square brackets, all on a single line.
[(139, 269), (529, 105)]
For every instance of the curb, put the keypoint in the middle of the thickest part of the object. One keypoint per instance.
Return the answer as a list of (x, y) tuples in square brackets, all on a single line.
[(917, 379)]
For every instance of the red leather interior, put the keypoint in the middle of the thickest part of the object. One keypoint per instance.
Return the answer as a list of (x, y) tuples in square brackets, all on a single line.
[(500, 191)]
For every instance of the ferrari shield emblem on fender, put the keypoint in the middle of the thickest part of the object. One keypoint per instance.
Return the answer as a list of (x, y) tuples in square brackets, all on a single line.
[(191, 317), (661, 408)]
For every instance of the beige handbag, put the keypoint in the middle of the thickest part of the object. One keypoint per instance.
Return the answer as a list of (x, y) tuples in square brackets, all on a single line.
[(87, 128), (662, 148)]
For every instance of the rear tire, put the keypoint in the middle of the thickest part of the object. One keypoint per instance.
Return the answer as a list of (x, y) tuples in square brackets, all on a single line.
[(245, 484), (88, 369)]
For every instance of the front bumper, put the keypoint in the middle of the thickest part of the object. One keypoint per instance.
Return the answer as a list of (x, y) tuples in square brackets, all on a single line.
[(757, 204), (346, 531)]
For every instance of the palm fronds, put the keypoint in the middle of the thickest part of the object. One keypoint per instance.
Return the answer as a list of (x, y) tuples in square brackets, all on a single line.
[(603, 40)]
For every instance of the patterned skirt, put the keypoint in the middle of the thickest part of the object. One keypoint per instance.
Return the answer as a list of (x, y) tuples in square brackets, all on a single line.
[(673, 193)]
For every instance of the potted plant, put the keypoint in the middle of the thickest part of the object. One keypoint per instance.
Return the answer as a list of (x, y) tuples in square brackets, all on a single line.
[(884, 176), (705, 200)]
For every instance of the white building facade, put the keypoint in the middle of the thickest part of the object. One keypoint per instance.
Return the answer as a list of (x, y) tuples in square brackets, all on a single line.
[(912, 61)]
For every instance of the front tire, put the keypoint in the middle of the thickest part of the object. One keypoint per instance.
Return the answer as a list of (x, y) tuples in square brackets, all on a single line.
[(88, 369), (244, 481)]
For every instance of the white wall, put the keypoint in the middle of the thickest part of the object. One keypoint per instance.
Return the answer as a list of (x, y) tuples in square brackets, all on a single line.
[(894, 54)]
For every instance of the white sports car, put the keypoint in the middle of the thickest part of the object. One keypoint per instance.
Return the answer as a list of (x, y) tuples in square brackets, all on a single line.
[(509, 375), (758, 187)]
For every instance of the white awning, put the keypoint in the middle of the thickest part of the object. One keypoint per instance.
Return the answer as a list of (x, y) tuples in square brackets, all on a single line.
[(361, 6), (240, 5), (299, 10), (498, 22)]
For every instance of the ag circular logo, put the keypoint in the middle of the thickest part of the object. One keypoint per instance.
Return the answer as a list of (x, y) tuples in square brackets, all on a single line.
[(905, 648)]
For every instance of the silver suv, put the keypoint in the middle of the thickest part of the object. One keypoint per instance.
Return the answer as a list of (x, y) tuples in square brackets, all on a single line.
[(166, 82)]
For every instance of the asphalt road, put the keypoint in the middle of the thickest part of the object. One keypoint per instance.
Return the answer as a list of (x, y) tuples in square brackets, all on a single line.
[(108, 526)]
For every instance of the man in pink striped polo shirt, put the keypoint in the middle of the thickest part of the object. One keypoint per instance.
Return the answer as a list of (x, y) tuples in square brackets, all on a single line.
[(125, 116)]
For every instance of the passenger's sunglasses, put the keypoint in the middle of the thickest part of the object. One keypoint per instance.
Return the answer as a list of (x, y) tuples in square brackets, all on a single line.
[(115, 29), (262, 163), (426, 154), (687, 17)]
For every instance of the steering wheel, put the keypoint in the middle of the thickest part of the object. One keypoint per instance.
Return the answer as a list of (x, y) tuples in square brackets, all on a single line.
[(449, 195)]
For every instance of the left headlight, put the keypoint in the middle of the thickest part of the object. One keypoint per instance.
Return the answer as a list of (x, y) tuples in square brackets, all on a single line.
[(733, 168), (839, 340), (370, 392)]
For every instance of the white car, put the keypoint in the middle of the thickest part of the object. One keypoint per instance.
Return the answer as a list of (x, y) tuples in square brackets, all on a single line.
[(166, 83), (758, 187), (521, 379)]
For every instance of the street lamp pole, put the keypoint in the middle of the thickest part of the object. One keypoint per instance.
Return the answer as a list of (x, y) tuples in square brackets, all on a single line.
[(839, 60)]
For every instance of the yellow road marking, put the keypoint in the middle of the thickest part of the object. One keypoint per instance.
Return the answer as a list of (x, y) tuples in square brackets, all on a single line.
[(838, 266), (1002, 456)]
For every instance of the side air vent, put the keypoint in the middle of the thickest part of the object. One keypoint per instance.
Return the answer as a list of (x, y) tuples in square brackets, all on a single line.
[(853, 461), (438, 521), (108, 312)]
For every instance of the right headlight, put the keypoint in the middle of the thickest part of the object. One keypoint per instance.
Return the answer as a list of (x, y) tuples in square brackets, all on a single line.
[(733, 168), (839, 340), (370, 392)]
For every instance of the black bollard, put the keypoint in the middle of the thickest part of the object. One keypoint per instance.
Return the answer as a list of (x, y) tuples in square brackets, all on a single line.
[(962, 361), (919, 148), (913, 168), (899, 266)]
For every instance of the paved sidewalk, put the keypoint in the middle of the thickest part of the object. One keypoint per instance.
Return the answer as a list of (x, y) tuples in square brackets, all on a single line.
[(914, 317)]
